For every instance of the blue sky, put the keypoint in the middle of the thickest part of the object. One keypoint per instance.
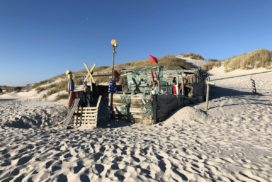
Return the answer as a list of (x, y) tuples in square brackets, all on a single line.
[(42, 38)]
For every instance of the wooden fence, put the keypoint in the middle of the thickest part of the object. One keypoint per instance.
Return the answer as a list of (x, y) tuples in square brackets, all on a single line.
[(148, 109), (164, 105)]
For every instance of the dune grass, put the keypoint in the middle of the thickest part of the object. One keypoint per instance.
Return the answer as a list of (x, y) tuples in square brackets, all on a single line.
[(211, 64), (61, 96), (168, 62), (193, 56), (255, 59)]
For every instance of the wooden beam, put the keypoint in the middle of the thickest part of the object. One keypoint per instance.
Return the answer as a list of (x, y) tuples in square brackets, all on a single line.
[(208, 83)]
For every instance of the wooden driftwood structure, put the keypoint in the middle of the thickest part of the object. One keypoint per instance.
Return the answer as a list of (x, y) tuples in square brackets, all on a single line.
[(140, 106), (164, 105), (193, 81), (134, 102), (136, 108), (147, 109)]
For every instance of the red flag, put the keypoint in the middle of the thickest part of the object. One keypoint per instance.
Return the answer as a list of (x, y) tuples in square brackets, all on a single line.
[(153, 59)]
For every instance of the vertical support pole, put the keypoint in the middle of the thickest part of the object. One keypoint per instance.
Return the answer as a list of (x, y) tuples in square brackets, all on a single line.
[(113, 61), (182, 86), (254, 90), (111, 95), (207, 93), (177, 87), (158, 78), (154, 108)]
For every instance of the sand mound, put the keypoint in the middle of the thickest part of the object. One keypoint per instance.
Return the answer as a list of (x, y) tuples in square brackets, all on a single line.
[(31, 114), (188, 114)]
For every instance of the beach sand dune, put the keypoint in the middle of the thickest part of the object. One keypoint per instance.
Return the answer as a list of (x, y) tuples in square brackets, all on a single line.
[(231, 142)]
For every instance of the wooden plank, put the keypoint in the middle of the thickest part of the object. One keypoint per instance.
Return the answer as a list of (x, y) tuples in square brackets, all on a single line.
[(93, 109), (164, 113), (90, 111), (137, 116), (154, 107), (99, 100), (69, 117), (88, 115), (136, 110), (167, 106)]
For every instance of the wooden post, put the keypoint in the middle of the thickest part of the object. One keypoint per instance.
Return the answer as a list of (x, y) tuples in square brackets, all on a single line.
[(254, 90), (207, 97), (208, 92), (182, 86), (177, 87), (158, 78), (154, 108)]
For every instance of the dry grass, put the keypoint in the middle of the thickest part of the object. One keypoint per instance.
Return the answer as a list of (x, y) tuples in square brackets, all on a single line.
[(168, 62), (52, 88), (255, 59), (193, 56), (61, 96), (211, 64)]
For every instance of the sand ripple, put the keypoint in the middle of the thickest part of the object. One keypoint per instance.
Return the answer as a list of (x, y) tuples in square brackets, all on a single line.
[(230, 143)]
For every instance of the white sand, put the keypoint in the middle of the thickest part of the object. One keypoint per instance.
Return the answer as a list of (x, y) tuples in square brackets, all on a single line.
[(232, 142), (196, 62)]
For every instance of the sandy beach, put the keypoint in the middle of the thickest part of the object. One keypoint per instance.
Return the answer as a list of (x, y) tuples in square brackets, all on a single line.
[(231, 142)]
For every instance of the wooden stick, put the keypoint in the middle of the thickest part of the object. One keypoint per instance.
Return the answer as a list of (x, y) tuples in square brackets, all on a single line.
[(208, 92), (207, 97)]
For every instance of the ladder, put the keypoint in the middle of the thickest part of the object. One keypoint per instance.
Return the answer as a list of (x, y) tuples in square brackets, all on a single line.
[(69, 117)]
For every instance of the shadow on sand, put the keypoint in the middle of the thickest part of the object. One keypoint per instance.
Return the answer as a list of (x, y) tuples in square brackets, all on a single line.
[(217, 92), (103, 115)]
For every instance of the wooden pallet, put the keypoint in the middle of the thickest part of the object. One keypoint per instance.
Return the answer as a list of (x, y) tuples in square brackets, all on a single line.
[(86, 117)]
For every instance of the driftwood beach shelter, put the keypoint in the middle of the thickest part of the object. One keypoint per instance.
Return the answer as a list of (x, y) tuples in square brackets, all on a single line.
[(134, 100), (139, 105)]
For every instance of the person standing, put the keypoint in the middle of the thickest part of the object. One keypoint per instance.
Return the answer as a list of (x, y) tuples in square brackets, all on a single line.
[(70, 88)]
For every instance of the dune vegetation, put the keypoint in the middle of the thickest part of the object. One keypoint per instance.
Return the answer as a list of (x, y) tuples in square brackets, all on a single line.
[(261, 58), (255, 59), (59, 83), (212, 64), (193, 56)]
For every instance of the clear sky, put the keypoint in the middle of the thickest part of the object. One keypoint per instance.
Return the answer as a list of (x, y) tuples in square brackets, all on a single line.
[(42, 38)]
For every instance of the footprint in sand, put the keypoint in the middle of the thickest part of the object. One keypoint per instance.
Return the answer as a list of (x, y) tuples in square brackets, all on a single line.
[(99, 168), (24, 160), (84, 178), (62, 178), (78, 167), (119, 175)]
